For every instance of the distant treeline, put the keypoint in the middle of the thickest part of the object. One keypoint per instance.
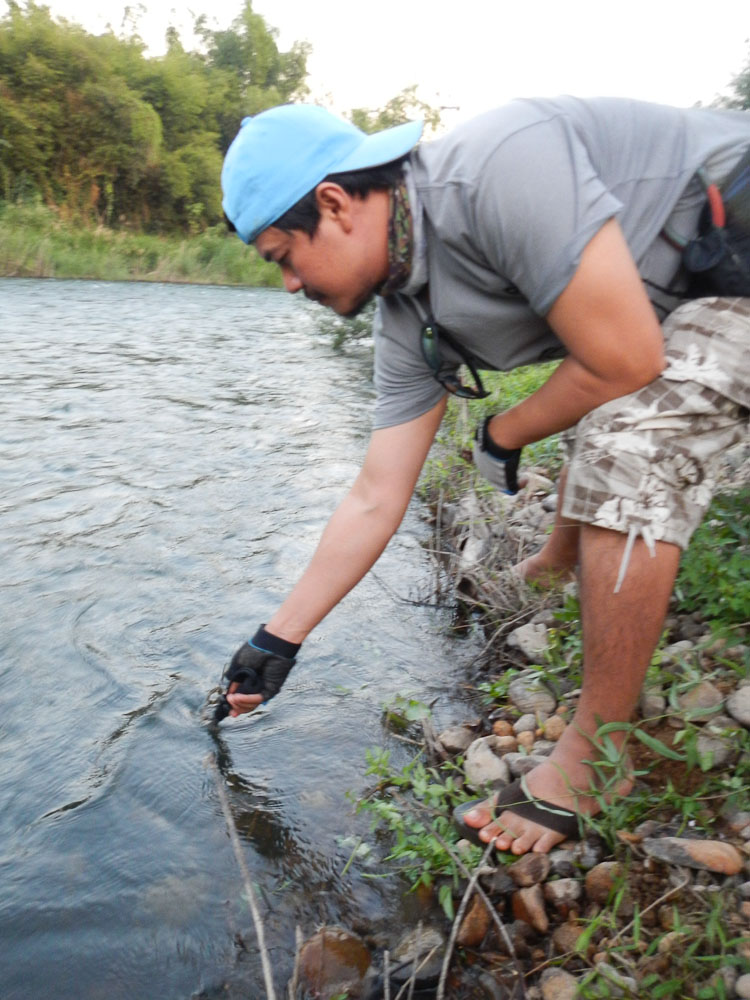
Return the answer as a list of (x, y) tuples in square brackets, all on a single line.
[(96, 130)]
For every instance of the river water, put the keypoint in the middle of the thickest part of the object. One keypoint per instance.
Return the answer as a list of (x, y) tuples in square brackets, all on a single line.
[(168, 457)]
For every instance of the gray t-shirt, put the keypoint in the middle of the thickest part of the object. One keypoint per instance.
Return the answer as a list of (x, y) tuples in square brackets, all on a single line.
[(503, 208)]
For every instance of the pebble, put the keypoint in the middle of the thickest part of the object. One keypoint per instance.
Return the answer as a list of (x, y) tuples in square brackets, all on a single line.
[(565, 936), (557, 984), (600, 880), (744, 890), (526, 739), (530, 869), (709, 855), (475, 924), (528, 906), (532, 639), (738, 706), (413, 948), (742, 987), (529, 695), (522, 763), (507, 744), (701, 698), (333, 961), (652, 705), (483, 767), (526, 723), (713, 751), (737, 820), (677, 650), (456, 739), (587, 853), (616, 981), (563, 863), (554, 727), (563, 893), (501, 727)]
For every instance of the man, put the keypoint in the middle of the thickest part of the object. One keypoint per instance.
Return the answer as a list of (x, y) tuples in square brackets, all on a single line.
[(546, 228)]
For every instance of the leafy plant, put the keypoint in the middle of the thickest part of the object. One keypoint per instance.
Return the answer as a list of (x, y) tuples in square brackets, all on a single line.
[(713, 577)]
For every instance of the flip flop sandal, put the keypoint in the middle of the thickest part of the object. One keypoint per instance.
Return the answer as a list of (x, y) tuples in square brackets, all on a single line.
[(514, 798)]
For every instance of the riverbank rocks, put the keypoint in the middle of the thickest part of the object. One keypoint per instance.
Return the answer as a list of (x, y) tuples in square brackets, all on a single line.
[(456, 739), (483, 767), (557, 984), (701, 699), (528, 694), (334, 961), (600, 881), (708, 855), (532, 639), (530, 869), (738, 705), (418, 953), (528, 905), (474, 925)]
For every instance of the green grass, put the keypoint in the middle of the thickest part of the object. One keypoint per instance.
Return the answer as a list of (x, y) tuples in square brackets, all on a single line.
[(36, 243)]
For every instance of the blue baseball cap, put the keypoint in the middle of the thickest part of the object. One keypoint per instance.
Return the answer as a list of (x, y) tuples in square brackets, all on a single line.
[(281, 154)]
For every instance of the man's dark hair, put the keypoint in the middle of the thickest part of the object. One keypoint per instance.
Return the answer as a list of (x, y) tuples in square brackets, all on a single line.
[(305, 214)]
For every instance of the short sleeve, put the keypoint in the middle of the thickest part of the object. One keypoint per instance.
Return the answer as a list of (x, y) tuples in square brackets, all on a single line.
[(405, 386), (539, 202)]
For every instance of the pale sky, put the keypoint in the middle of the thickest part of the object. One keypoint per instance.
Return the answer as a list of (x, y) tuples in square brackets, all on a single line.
[(474, 54)]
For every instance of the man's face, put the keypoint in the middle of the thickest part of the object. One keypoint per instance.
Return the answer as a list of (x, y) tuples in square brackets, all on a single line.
[(344, 263)]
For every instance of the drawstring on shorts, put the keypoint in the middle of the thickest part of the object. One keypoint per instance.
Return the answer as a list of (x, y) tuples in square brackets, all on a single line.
[(644, 530)]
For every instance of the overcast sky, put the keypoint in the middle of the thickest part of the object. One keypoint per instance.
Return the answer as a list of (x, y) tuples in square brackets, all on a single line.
[(474, 54)]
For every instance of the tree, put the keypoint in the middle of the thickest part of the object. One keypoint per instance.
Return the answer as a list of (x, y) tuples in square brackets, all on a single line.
[(404, 107)]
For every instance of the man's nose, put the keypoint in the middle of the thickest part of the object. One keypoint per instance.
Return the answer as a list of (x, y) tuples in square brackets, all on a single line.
[(291, 281)]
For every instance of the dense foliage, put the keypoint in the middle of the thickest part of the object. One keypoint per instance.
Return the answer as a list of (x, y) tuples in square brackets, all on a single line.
[(94, 128)]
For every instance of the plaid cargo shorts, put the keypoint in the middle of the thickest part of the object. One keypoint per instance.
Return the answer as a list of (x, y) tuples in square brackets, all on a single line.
[(646, 464)]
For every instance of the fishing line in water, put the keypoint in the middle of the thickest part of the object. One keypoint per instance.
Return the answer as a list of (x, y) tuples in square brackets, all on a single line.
[(249, 891)]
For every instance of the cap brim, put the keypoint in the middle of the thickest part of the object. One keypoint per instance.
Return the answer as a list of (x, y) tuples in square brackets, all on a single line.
[(382, 147)]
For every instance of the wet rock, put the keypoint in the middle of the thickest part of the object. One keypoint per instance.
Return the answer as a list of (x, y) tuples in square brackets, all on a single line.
[(475, 924), (742, 987), (526, 723), (531, 639), (522, 763), (563, 893), (600, 881), (738, 706), (701, 698), (709, 855), (334, 961), (557, 984), (422, 949), (456, 739), (528, 906), (530, 869), (483, 767)]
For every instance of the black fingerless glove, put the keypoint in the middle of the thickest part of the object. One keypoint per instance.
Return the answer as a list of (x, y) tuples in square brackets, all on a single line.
[(498, 465), (259, 666)]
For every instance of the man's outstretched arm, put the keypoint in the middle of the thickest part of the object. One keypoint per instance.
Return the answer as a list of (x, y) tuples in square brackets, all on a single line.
[(357, 533)]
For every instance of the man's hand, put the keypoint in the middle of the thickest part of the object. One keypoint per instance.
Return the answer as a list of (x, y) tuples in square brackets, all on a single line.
[(498, 465), (255, 675)]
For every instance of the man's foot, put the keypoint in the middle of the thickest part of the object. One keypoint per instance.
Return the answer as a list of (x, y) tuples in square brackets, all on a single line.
[(545, 572), (564, 781)]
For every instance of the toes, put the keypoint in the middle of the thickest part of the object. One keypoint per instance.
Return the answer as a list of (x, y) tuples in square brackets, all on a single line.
[(479, 816)]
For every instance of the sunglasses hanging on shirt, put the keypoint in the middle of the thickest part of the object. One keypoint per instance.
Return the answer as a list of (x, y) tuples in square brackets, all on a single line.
[(431, 337)]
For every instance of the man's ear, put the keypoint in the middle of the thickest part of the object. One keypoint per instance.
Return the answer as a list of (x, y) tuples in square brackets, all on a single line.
[(334, 203)]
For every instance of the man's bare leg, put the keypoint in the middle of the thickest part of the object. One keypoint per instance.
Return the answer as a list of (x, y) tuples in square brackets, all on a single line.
[(620, 633), (556, 561)]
